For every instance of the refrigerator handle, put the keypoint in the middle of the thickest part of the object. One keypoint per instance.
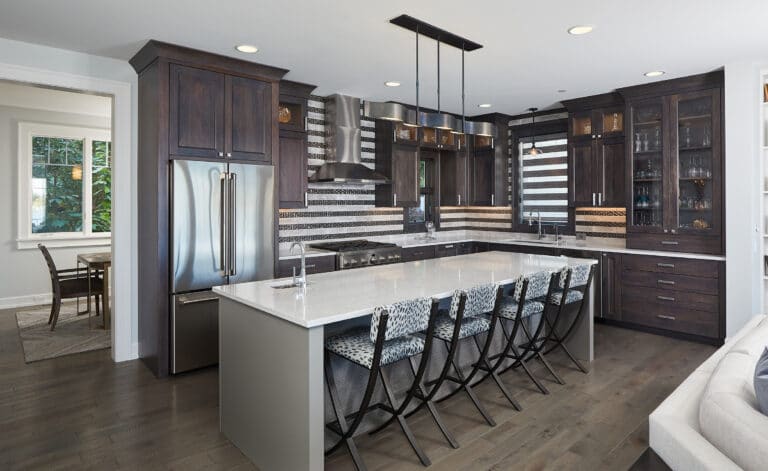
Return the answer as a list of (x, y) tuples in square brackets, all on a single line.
[(233, 224), (223, 223)]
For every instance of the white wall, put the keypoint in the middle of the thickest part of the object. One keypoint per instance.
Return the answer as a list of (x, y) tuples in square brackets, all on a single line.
[(58, 67), (29, 283), (743, 192)]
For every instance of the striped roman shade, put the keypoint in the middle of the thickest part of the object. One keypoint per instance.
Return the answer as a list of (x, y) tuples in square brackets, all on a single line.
[(544, 178)]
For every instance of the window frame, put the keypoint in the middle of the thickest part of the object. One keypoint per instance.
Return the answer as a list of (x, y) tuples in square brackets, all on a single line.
[(26, 239), (523, 131)]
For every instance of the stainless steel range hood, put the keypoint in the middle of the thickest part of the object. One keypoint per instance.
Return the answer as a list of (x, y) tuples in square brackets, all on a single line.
[(342, 139)]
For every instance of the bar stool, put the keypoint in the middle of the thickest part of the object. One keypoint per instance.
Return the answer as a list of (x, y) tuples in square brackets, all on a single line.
[(389, 340), (472, 313), (519, 309), (574, 288)]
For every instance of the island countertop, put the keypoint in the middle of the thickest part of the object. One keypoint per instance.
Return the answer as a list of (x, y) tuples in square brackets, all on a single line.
[(347, 294)]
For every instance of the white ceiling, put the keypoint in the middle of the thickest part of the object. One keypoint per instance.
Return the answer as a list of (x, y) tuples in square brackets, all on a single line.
[(348, 46)]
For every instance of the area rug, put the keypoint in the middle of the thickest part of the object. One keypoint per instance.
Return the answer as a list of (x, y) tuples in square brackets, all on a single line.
[(72, 334)]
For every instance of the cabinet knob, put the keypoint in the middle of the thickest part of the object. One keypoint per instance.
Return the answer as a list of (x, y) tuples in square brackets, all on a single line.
[(221, 154), (666, 231), (599, 136), (593, 136), (229, 154)]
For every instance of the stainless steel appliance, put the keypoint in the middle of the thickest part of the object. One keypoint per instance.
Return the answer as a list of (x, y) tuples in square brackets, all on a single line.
[(222, 218), (361, 253)]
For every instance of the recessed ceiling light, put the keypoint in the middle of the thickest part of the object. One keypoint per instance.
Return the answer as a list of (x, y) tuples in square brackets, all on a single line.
[(562, 90), (392, 84), (654, 73), (580, 29), (484, 105), (247, 48)]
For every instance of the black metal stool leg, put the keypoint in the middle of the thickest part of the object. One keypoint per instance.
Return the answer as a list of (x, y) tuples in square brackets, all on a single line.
[(468, 389), (433, 411), (574, 360), (536, 350), (519, 359), (403, 424), (497, 379)]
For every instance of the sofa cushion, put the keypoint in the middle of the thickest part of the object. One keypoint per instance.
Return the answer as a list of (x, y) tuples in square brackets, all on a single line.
[(754, 341), (728, 414), (761, 382)]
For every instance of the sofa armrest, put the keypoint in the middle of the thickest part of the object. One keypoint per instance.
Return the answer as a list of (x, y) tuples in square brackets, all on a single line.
[(683, 448)]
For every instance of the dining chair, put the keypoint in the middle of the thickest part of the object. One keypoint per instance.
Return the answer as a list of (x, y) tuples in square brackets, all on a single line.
[(69, 284)]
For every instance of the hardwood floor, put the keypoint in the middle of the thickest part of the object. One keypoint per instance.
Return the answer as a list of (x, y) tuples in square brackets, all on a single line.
[(83, 411)]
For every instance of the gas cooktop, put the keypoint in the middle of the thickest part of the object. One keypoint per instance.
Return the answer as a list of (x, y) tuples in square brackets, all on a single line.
[(361, 253), (350, 245)]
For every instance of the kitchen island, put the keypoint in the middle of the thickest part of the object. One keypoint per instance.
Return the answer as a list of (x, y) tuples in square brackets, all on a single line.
[(271, 340)]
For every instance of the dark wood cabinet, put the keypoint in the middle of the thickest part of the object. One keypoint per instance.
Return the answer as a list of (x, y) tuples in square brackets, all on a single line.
[(425, 252), (215, 115), (482, 176), (292, 119), (454, 181), (596, 158), (675, 165), (196, 112), (610, 285), (191, 105), (319, 264), (293, 169), (399, 162)]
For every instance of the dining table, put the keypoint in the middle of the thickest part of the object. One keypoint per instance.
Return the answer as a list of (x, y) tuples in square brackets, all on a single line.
[(99, 261)]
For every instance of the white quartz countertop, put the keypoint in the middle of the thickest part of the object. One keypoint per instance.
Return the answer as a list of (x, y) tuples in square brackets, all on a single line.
[(347, 294), (592, 244)]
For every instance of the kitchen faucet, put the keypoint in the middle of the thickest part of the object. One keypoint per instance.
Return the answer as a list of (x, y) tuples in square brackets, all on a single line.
[(301, 281), (530, 222)]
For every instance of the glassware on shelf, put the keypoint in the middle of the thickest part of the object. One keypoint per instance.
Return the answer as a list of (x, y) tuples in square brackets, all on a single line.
[(638, 144), (645, 141), (615, 122), (706, 140), (657, 139), (687, 136)]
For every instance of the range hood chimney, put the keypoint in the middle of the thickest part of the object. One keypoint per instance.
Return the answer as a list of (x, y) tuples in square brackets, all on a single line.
[(342, 139)]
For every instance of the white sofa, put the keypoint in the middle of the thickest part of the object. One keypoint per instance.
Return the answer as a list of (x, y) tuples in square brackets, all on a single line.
[(712, 421)]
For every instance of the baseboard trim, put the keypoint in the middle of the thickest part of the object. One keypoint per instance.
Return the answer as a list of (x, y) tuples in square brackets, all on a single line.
[(25, 301)]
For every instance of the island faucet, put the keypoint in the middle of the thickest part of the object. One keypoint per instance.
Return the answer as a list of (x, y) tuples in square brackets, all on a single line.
[(530, 222), (301, 280)]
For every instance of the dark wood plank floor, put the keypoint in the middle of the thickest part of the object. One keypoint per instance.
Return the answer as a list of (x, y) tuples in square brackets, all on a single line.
[(83, 411)]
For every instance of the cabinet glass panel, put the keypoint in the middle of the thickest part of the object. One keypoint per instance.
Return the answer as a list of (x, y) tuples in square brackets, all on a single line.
[(290, 114), (483, 142), (582, 125), (429, 136), (694, 163), (406, 133), (647, 164), (447, 138), (613, 122)]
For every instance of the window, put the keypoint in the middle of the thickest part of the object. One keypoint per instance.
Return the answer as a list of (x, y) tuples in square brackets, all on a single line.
[(543, 179), (65, 185)]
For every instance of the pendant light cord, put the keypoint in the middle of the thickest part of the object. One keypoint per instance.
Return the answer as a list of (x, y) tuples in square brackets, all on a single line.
[(438, 75)]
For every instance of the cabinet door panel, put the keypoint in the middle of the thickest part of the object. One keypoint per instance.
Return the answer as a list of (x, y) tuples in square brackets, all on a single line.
[(482, 187), (405, 176), (196, 112), (610, 268), (612, 187), (583, 176), (249, 112), (453, 179), (293, 169)]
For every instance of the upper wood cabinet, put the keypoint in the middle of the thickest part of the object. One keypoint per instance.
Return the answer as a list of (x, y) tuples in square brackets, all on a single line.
[(596, 158), (292, 119), (675, 150), (215, 115), (399, 162), (482, 175), (454, 178)]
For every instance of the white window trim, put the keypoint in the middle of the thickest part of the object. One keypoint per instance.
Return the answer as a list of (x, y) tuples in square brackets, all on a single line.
[(26, 238)]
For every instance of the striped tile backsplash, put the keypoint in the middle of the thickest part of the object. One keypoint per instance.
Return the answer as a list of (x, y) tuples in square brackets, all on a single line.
[(480, 218), (602, 222)]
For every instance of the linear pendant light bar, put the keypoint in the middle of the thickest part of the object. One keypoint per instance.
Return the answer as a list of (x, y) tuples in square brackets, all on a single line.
[(410, 23)]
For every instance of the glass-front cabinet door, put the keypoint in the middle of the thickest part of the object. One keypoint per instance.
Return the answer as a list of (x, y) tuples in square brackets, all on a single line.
[(695, 158), (648, 189)]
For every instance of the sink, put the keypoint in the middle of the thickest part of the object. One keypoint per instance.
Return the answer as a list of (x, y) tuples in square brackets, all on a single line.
[(533, 241), (285, 284)]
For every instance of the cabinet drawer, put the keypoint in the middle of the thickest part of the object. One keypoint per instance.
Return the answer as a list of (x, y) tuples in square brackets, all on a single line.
[(670, 282), (411, 254), (446, 250), (688, 321), (652, 299), (675, 243), (320, 264), (677, 266)]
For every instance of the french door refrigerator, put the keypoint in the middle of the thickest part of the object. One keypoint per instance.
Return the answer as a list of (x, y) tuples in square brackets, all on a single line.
[(222, 218)]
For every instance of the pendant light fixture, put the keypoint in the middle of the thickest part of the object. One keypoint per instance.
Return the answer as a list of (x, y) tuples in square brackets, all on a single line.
[(438, 119), (533, 150)]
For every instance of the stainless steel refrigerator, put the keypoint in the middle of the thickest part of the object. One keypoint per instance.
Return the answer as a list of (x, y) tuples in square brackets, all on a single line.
[(222, 217)]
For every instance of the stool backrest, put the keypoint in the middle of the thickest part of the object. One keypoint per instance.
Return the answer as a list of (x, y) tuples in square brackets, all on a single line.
[(579, 275), (404, 318), (538, 285), (481, 299)]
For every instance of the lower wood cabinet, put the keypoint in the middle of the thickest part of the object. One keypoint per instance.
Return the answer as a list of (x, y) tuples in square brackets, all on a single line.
[(678, 295), (321, 264), (411, 254), (610, 285)]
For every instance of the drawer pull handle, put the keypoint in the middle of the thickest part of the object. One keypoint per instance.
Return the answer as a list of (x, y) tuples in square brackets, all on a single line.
[(310, 266), (670, 242), (665, 298), (665, 265), (666, 282), (448, 247), (662, 316)]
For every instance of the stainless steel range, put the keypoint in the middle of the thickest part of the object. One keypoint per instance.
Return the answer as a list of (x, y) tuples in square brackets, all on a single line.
[(361, 253)]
